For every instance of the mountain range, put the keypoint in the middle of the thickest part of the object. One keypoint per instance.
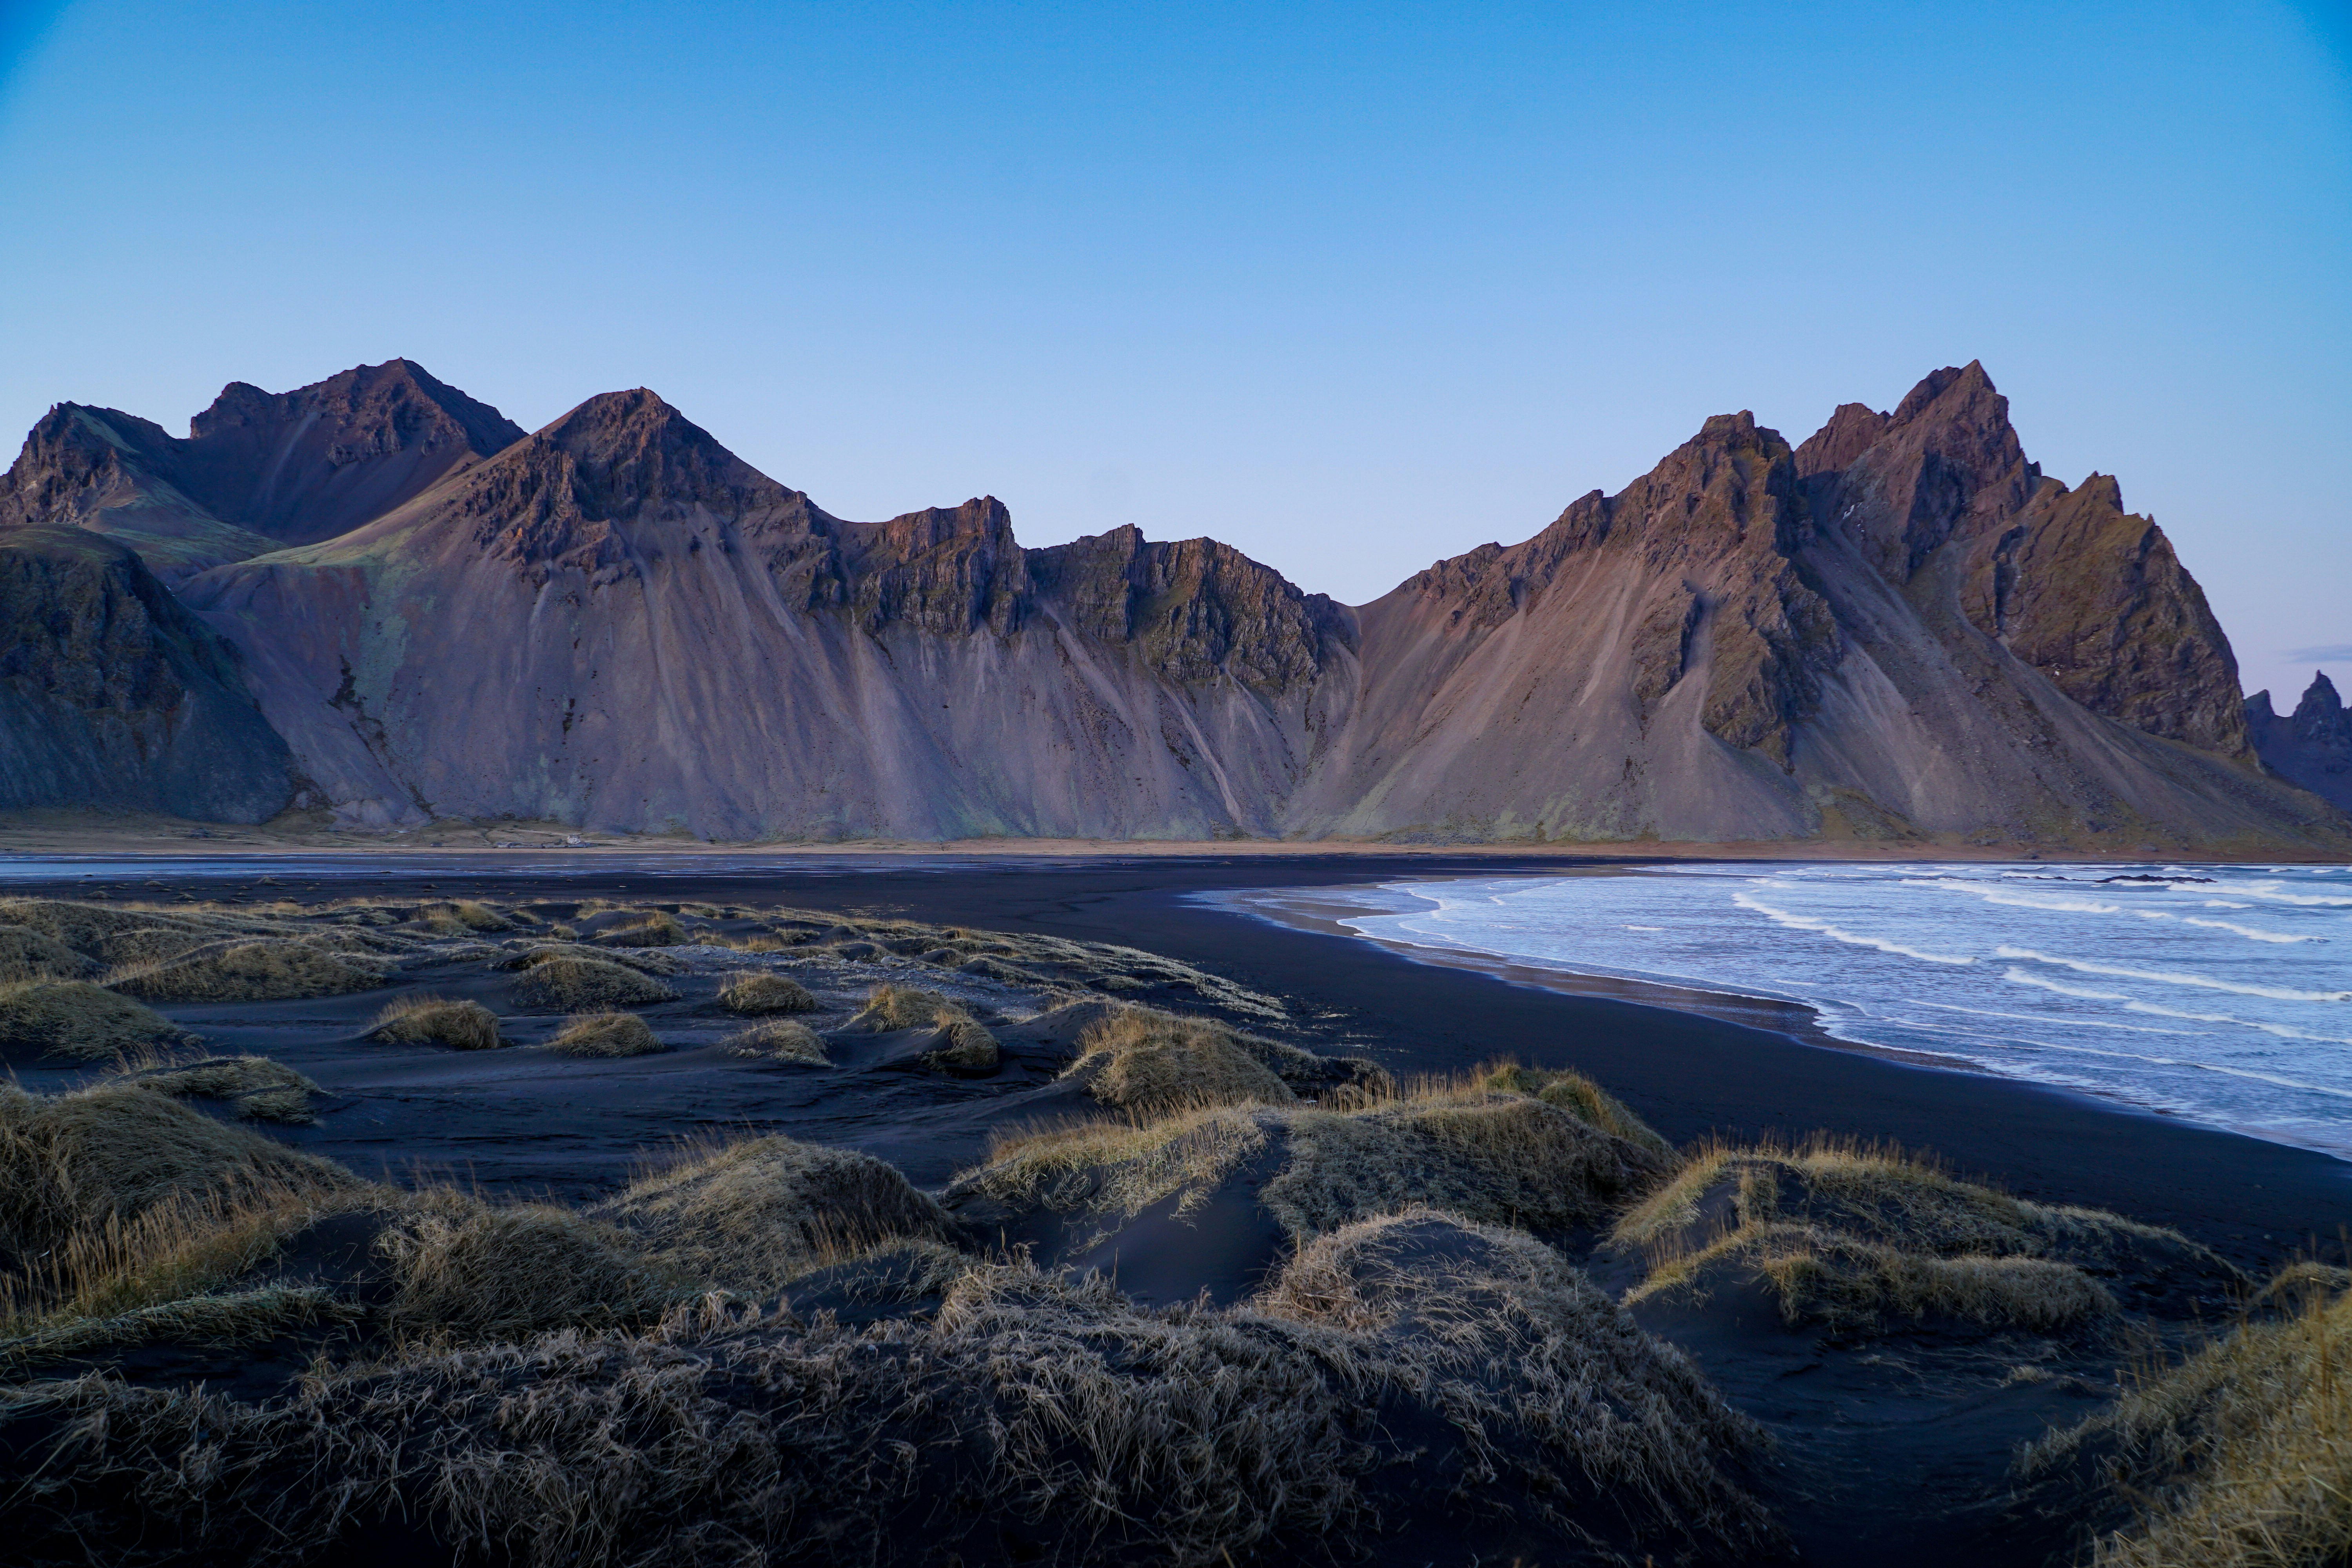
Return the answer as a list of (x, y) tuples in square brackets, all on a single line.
[(378, 599)]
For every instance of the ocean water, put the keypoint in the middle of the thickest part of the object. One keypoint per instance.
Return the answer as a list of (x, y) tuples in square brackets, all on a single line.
[(2223, 994)]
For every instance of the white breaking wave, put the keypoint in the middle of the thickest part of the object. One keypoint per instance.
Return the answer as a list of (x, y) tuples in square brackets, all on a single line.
[(1823, 927), (2019, 977), (2160, 977), (2271, 895), (2038, 1018), (2248, 931), (2047, 973)]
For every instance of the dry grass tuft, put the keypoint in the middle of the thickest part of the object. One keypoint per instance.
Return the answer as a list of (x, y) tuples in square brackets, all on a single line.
[(1497, 1159), (1459, 1307), (752, 1216), (262, 1090), (1149, 1063), (1048, 1411), (655, 928), (563, 983), (233, 1318), (1114, 1167), (1579, 1095), (436, 1020), (606, 1035), (2239, 1457), (757, 996), (73, 1165), (890, 1007), (268, 970), (470, 1271), (779, 1039), (462, 917), (28, 954), (1852, 1234), (964, 1048), (77, 1019)]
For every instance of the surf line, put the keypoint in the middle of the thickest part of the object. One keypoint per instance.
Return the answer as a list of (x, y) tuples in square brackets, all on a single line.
[(1823, 927)]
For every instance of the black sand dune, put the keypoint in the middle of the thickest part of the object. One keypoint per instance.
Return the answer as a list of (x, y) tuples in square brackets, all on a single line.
[(1878, 1438)]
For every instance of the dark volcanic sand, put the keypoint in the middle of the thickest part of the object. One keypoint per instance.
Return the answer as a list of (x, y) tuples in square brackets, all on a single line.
[(1880, 1462)]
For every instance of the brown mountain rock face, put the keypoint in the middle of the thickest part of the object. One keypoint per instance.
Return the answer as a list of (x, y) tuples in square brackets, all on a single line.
[(2311, 748), (311, 464), (617, 623), (112, 695), (1896, 630), (259, 469), (2094, 598)]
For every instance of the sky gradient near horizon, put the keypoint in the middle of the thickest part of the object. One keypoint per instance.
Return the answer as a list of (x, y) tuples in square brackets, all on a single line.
[(1351, 288)]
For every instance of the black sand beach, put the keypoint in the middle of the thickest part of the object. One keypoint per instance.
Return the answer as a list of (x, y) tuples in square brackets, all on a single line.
[(1902, 1450), (1689, 1075)]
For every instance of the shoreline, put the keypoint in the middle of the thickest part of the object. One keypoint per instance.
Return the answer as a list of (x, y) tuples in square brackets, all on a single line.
[(1689, 1075), (1802, 1021)]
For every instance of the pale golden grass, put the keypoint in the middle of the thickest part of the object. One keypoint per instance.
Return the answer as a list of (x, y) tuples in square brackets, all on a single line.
[(779, 1039), (78, 1020), (260, 1089), (1103, 965), (965, 1046), (1494, 1158), (417, 1019), (262, 970), (759, 996), (185, 1244), (1878, 1192), (653, 928), (463, 917), (1852, 1234), (1116, 1167), (70, 1160), (1573, 1092), (606, 1035), (2241, 1457), (754, 1215), (563, 983), (1147, 1062), (470, 1270), (536, 951)]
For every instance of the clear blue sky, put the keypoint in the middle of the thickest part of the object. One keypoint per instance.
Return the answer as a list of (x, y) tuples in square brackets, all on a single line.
[(1352, 287)]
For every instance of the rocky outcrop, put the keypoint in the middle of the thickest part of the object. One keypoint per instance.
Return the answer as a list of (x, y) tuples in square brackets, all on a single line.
[(2310, 748), (2072, 584), (1898, 629), (259, 469), (112, 695)]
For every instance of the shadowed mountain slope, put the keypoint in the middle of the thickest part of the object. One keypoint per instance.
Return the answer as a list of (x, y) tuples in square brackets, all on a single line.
[(111, 694), (1898, 630), (2310, 747), (257, 470)]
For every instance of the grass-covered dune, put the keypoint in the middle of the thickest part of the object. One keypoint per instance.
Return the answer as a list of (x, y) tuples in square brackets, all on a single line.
[(874, 1241)]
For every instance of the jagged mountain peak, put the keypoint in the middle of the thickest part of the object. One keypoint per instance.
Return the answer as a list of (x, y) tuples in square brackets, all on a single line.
[(399, 391), (627, 451), (2320, 703)]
